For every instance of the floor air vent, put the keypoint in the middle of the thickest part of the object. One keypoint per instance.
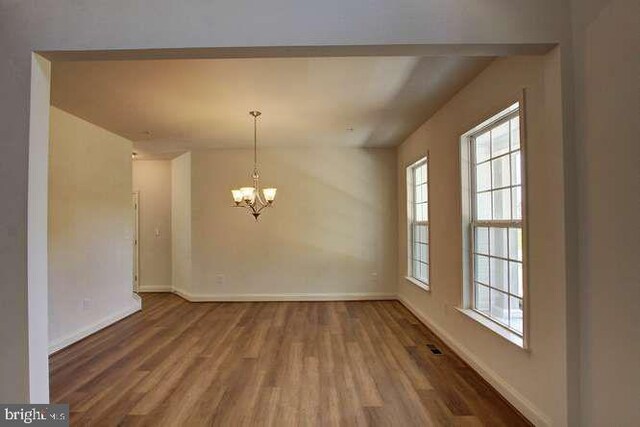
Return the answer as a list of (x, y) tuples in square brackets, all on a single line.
[(434, 349)]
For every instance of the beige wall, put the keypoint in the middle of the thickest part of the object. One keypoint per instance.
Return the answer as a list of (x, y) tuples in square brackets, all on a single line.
[(533, 380), (181, 223), (331, 232), (607, 147), (90, 228), (152, 181)]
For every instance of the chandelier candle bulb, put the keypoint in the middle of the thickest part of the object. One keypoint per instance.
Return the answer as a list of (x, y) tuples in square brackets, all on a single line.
[(269, 194), (248, 194), (237, 196)]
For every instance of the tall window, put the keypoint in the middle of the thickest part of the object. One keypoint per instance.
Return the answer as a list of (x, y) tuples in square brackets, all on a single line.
[(496, 232), (418, 222)]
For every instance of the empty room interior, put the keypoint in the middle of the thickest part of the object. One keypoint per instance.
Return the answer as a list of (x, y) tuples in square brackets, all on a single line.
[(359, 252), (413, 214)]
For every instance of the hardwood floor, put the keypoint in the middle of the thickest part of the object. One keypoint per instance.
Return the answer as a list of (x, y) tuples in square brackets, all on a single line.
[(271, 363)]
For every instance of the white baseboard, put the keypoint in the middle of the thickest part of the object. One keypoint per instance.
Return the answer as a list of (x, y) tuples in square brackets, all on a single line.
[(85, 332), (524, 405), (155, 289), (285, 297)]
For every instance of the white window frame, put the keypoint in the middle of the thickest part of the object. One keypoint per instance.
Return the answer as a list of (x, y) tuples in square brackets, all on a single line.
[(467, 157), (410, 189)]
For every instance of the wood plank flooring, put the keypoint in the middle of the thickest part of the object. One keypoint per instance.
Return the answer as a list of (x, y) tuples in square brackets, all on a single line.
[(178, 363)]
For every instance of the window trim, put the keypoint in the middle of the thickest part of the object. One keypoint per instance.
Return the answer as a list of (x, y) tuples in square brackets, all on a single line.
[(410, 189), (468, 207)]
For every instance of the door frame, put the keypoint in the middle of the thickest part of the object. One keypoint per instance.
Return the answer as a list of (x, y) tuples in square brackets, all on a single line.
[(136, 241)]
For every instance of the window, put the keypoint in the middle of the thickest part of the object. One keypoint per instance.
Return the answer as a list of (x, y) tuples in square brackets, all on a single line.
[(495, 221), (418, 222)]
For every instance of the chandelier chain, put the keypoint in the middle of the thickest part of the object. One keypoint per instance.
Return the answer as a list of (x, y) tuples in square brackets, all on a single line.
[(255, 142)]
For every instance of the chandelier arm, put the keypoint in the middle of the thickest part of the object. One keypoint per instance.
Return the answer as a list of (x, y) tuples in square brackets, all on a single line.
[(256, 185), (263, 207), (250, 208)]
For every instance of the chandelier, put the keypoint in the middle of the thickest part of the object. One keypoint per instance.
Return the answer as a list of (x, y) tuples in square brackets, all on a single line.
[(250, 197)]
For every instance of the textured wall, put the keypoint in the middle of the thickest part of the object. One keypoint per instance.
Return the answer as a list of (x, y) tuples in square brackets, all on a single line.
[(607, 66), (331, 231), (90, 226), (537, 377)]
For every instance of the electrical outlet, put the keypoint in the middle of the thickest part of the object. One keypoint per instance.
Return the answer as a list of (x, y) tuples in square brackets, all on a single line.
[(374, 277), (219, 279), (86, 304)]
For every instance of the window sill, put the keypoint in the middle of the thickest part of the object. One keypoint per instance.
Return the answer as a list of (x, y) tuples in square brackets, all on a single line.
[(418, 283), (494, 327)]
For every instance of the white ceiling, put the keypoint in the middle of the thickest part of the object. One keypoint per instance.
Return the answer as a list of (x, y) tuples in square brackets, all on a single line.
[(169, 106)]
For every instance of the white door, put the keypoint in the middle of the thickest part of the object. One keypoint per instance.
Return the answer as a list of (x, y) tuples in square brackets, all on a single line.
[(136, 250)]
